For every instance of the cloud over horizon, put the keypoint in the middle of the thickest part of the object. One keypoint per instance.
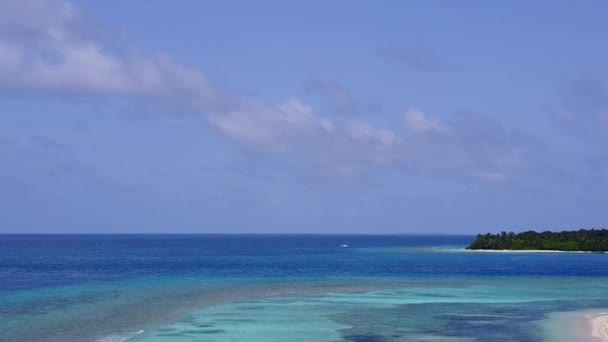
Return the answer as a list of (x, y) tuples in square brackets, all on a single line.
[(44, 48)]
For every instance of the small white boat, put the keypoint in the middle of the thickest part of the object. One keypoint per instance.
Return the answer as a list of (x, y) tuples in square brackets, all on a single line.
[(344, 246)]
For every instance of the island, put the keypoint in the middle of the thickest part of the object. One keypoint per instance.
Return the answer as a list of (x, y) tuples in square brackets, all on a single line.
[(583, 240)]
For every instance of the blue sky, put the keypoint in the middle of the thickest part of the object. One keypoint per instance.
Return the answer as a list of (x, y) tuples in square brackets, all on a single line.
[(316, 116)]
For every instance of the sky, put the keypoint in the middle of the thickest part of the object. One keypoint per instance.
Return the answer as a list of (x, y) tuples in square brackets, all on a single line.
[(189, 116)]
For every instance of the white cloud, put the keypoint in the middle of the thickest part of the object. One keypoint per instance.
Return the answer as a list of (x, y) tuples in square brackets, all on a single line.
[(362, 131), (471, 146), (44, 46), (271, 127), (338, 98), (417, 122), (47, 46)]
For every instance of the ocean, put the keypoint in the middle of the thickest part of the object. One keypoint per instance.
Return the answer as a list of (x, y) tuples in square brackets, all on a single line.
[(157, 288)]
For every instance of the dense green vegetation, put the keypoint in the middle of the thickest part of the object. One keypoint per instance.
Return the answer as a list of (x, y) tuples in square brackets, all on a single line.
[(592, 240)]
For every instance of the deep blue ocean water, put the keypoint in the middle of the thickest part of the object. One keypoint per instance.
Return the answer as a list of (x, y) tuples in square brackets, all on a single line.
[(285, 288)]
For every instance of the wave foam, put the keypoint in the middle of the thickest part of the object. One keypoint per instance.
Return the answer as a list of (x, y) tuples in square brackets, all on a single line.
[(119, 338)]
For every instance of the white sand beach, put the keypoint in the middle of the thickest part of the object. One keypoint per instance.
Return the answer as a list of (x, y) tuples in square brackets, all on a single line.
[(526, 251), (580, 326), (599, 327), (461, 249)]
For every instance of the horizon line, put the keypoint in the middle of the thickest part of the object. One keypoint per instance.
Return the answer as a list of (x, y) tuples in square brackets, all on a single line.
[(238, 233)]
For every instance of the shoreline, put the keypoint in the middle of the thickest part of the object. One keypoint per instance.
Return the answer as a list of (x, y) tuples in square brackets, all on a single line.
[(598, 326), (529, 251), (584, 325)]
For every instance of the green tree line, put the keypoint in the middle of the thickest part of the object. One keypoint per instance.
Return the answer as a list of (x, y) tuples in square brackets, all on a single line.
[(591, 240)]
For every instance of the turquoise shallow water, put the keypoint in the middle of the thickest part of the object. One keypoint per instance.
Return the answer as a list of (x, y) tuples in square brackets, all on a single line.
[(288, 288), (484, 310)]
